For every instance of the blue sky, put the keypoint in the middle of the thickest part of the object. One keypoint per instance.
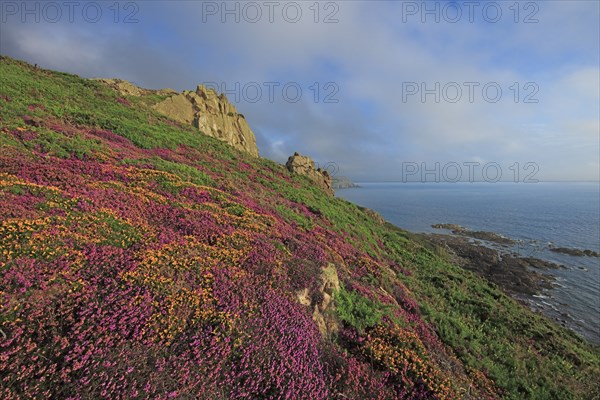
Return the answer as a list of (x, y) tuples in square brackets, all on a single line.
[(366, 58)]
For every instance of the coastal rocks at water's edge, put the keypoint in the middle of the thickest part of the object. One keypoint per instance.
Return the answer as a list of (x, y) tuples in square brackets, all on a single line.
[(575, 252), (481, 235), (516, 275)]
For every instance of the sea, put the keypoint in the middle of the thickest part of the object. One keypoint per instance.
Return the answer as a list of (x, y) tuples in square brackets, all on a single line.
[(536, 215)]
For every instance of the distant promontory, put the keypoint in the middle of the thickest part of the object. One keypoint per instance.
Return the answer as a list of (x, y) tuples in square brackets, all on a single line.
[(341, 182)]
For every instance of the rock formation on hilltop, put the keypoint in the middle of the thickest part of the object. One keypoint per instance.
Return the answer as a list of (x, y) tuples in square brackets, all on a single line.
[(212, 114), (208, 111), (303, 165)]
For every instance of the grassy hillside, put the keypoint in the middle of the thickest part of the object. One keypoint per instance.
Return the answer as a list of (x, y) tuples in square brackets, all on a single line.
[(141, 259)]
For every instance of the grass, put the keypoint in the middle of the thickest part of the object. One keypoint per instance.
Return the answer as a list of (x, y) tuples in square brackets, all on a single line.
[(358, 311)]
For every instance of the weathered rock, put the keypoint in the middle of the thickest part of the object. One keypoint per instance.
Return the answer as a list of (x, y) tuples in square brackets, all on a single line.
[(451, 227), (303, 165), (481, 235), (212, 114), (166, 92), (330, 283), (177, 107), (322, 303), (516, 275), (124, 87), (304, 297), (575, 252)]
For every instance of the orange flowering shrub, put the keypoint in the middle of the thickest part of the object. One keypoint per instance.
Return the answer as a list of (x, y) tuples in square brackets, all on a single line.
[(402, 353)]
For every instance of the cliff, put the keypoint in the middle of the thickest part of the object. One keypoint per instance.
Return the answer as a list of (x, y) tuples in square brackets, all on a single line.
[(139, 259)]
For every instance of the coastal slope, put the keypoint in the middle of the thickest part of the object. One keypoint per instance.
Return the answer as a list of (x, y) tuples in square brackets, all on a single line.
[(141, 258)]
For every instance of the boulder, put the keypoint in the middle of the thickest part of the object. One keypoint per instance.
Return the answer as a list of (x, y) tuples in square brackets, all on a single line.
[(177, 107), (212, 114), (299, 164), (323, 309)]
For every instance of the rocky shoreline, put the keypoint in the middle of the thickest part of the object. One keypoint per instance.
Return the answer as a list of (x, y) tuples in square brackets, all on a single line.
[(482, 235), (492, 256), (505, 241), (515, 275)]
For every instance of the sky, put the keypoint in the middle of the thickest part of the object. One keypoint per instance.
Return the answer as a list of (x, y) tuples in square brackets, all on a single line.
[(372, 90)]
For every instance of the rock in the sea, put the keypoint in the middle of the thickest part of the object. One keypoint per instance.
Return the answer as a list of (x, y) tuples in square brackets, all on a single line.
[(451, 227), (481, 235), (212, 114), (575, 252), (516, 275), (303, 165)]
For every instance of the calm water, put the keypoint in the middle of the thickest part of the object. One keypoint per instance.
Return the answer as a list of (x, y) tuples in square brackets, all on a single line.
[(562, 214)]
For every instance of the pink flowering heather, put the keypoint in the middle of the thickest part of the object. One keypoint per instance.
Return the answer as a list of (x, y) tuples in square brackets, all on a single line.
[(141, 259)]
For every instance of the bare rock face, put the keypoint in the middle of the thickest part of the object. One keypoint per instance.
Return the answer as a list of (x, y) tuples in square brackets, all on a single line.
[(212, 114), (303, 165), (322, 304)]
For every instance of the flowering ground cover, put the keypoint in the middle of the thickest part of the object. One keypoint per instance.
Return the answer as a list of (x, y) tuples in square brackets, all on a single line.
[(142, 259)]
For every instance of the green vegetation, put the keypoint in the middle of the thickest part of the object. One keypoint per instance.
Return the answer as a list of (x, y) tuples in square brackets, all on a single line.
[(129, 242), (358, 311)]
